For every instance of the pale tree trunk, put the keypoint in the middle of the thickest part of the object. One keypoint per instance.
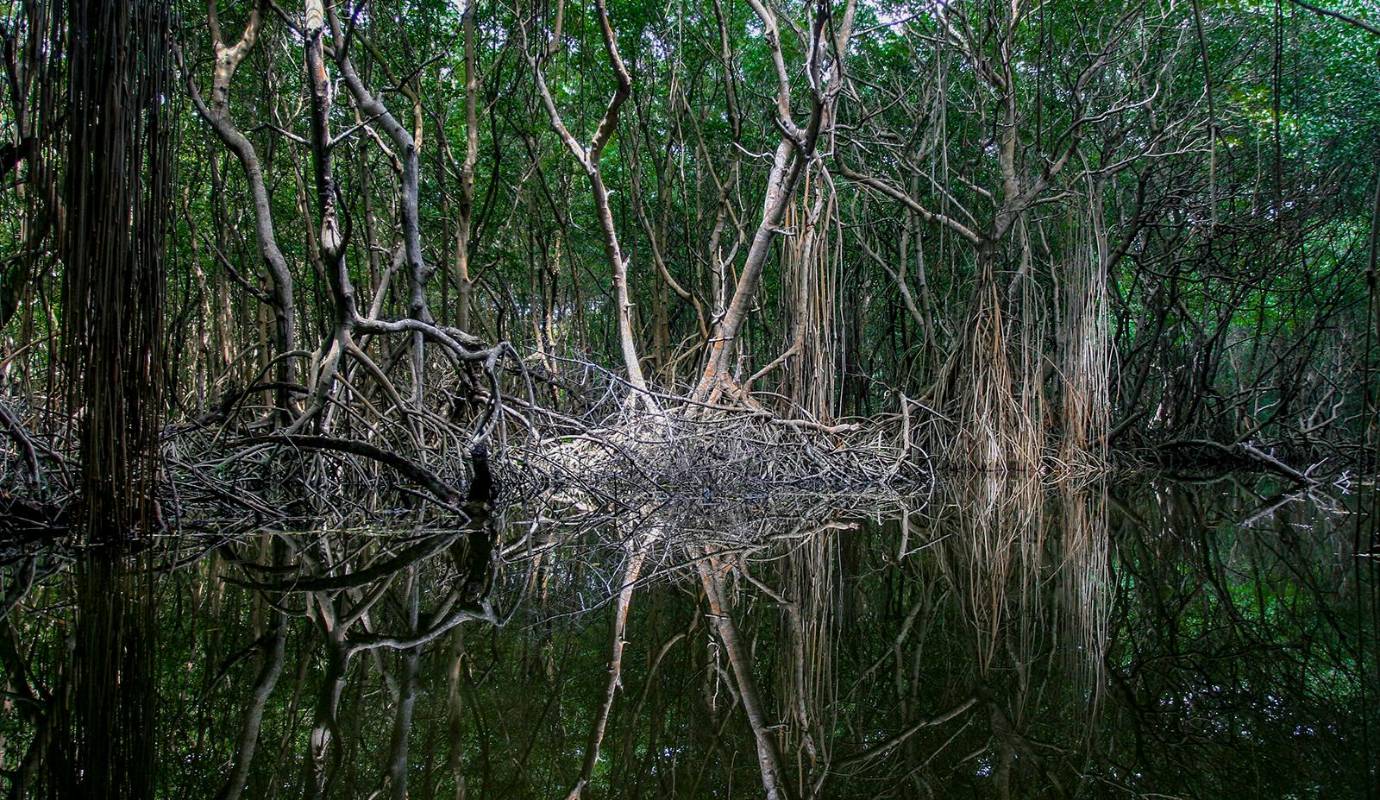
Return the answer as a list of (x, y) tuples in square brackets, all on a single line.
[(408, 146), (330, 238), (465, 218), (589, 158), (796, 149), (217, 114)]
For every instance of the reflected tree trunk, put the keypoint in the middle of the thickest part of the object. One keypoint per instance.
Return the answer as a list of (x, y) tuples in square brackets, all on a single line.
[(774, 780), (617, 642)]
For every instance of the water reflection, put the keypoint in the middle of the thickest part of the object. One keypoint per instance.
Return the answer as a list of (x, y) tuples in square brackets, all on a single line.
[(993, 639)]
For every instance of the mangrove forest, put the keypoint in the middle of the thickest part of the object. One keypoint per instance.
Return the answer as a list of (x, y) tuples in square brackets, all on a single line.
[(589, 399)]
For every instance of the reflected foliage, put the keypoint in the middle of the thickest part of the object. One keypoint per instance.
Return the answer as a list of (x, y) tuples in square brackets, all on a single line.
[(1153, 639)]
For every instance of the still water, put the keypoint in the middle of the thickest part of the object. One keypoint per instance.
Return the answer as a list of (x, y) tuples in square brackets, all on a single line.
[(1153, 639)]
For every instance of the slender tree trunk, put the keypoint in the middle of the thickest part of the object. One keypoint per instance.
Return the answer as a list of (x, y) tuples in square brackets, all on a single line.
[(465, 218), (793, 154), (217, 115), (589, 160)]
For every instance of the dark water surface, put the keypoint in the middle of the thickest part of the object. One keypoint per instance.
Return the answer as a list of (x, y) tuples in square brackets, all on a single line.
[(1154, 639)]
